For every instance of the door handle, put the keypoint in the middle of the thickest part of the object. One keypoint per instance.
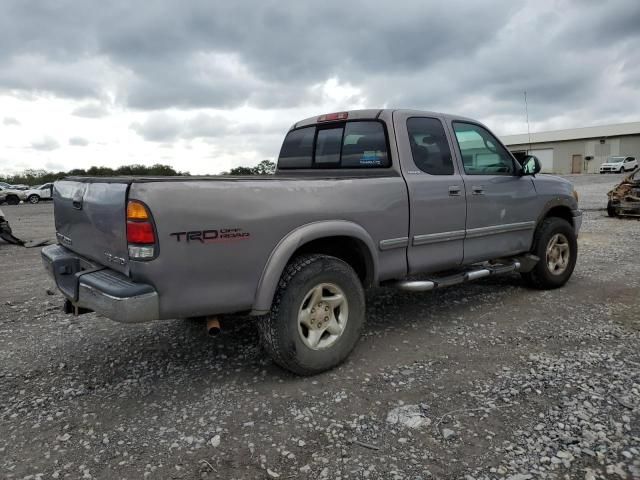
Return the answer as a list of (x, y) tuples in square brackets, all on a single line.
[(478, 190), (454, 190)]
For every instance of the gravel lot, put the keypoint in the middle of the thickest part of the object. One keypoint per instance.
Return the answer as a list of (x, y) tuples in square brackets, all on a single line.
[(488, 380)]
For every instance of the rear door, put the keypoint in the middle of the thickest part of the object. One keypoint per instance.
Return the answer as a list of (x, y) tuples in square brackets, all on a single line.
[(436, 193), (90, 219), (501, 204)]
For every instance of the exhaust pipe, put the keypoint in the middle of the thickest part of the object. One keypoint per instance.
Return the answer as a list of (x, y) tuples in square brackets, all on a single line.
[(213, 326)]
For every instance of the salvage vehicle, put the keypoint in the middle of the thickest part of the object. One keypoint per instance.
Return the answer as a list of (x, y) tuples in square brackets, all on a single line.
[(398, 198), (624, 199), (13, 187), (6, 233), (38, 193), (619, 165), (11, 196)]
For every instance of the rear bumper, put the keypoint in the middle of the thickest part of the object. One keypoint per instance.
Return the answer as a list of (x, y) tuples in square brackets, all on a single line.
[(94, 287)]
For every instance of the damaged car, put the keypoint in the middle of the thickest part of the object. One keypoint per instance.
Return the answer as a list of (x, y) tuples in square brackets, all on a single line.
[(624, 199), (5, 231)]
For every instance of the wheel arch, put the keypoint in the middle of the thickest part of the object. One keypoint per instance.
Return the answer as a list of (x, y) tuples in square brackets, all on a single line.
[(559, 207), (340, 238)]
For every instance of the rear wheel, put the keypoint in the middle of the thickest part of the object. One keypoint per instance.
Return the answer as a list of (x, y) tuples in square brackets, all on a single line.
[(316, 317), (33, 199), (12, 200), (556, 245)]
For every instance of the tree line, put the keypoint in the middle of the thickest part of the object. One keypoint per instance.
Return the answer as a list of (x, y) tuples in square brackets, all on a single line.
[(40, 176)]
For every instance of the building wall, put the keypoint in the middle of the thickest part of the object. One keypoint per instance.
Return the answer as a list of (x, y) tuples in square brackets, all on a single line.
[(563, 151)]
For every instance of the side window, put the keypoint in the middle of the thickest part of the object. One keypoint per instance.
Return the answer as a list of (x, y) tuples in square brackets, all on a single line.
[(364, 145), (481, 153), (297, 149), (429, 146)]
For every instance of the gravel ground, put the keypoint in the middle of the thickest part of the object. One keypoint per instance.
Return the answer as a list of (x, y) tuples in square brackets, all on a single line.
[(488, 380)]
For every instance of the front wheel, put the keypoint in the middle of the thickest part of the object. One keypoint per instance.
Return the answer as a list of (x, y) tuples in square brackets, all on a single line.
[(33, 199), (317, 315), (611, 210), (556, 245), (12, 200)]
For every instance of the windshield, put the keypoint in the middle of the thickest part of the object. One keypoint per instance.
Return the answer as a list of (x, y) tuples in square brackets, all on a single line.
[(615, 160)]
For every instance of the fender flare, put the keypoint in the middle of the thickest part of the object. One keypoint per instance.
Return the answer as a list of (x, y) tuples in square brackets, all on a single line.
[(285, 249), (568, 203)]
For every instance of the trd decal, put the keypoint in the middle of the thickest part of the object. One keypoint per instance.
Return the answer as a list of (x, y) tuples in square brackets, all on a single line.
[(211, 236)]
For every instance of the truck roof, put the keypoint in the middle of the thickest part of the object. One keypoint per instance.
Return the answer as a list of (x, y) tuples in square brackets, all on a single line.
[(375, 113)]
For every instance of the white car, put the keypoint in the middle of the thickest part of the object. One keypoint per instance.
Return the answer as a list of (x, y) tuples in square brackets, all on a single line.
[(619, 165), (41, 192)]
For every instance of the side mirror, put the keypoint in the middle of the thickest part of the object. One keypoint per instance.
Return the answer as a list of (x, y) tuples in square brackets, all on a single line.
[(531, 165)]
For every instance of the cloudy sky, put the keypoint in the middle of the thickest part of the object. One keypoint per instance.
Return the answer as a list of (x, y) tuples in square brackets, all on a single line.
[(204, 85)]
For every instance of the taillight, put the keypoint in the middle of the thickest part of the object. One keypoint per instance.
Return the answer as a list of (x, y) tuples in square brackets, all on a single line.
[(141, 235)]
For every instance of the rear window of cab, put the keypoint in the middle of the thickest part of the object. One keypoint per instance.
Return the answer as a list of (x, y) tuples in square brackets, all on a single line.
[(353, 144)]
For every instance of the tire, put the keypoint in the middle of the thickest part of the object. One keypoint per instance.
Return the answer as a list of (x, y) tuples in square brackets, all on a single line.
[(12, 200), (33, 199), (611, 211), (286, 338), (542, 276), (621, 170)]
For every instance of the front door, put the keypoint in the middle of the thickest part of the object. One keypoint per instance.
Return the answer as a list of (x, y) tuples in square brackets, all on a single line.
[(501, 204), (436, 192), (576, 164)]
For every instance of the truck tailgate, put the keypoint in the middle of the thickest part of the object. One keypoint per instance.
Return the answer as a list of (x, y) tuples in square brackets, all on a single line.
[(90, 219)]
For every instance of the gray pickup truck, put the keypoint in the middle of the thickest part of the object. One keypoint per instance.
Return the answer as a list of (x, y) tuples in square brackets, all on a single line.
[(399, 198)]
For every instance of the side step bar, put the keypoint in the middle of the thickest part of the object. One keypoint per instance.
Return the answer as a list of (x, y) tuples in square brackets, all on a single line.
[(517, 265)]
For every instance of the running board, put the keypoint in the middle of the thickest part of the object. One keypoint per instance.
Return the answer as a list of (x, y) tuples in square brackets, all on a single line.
[(462, 277)]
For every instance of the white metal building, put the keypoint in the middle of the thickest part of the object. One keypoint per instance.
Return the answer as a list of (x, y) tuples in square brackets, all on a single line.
[(578, 150)]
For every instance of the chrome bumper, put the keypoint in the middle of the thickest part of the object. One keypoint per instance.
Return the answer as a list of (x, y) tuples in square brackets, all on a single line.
[(91, 286)]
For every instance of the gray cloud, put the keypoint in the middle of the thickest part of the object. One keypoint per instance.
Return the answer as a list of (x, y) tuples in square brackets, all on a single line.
[(158, 128), (91, 110), (46, 144), (163, 127), (78, 141), (575, 58), (8, 121)]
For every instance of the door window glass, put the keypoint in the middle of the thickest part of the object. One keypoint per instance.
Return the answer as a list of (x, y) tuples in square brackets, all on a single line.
[(429, 146), (481, 153)]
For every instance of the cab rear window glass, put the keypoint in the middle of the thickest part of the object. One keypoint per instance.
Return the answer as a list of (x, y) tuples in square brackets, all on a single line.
[(328, 147), (297, 149), (364, 145), (356, 144)]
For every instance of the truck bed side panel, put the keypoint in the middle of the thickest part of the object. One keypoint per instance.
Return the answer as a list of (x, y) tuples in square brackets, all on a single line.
[(241, 223)]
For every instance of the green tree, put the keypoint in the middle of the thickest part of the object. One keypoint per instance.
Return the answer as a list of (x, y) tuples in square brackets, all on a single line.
[(39, 176), (265, 167)]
